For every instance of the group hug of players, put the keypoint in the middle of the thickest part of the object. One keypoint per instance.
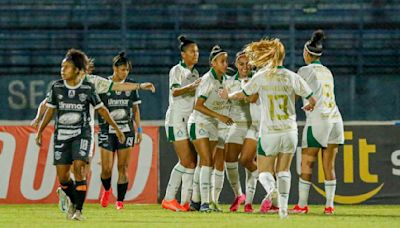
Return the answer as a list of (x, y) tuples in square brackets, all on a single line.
[(217, 121)]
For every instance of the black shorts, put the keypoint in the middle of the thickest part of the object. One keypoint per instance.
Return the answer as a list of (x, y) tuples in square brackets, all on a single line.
[(65, 152), (110, 141)]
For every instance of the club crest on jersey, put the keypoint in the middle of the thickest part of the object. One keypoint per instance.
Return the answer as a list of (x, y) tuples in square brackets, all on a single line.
[(60, 97), (179, 133), (118, 92), (57, 155), (202, 131), (71, 93), (127, 93), (82, 153), (82, 97)]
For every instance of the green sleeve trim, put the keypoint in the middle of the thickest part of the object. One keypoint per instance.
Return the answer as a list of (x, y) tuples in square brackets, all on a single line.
[(204, 97), (110, 88), (247, 95), (309, 95), (176, 85)]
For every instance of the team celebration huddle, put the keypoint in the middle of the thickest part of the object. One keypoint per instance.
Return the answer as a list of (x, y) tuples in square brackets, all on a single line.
[(215, 122)]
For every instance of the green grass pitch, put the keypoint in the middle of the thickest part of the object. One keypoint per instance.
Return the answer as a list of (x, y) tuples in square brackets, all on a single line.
[(48, 215)]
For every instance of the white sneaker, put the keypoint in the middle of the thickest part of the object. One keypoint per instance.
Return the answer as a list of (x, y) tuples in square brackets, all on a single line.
[(78, 216), (71, 208), (62, 200)]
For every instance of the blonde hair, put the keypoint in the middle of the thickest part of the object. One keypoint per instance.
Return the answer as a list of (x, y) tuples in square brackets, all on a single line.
[(266, 52)]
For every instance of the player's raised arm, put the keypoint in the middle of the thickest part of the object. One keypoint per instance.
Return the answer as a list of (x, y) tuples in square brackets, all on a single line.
[(127, 86)]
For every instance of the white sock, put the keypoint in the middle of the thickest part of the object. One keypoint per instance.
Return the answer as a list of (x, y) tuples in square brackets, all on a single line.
[(217, 183), (232, 173), (267, 181), (205, 174), (187, 186), (174, 181), (251, 184), (330, 188), (304, 190), (275, 197), (212, 182), (196, 185), (284, 179)]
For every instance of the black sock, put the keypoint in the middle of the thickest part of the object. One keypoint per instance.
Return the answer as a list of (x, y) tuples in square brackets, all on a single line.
[(106, 183), (69, 189), (80, 194), (122, 191)]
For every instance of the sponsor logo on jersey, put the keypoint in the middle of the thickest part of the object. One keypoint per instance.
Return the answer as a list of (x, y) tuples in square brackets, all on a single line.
[(69, 118), (118, 102), (82, 97), (118, 114), (71, 93), (71, 106)]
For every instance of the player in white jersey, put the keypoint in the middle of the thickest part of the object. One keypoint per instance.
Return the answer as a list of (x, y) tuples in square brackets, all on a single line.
[(277, 87), (101, 85), (236, 142), (183, 81), (324, 126), (203, 122)]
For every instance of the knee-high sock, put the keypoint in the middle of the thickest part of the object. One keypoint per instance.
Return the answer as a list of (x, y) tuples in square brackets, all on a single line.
[(232, 174), (284, 179), (196, 185), (81, 188), (187, 186), (121, 191), (205, 179), (267, 181), (174, 181), (251, 184), (304, 189), (330, 188), (70, 191), (217, 183)]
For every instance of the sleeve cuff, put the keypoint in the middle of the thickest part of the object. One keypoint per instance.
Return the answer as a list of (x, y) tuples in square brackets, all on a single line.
[(175, 85), (137, 102), (204, 97), (99, 106), (50, 105), (309, 95)]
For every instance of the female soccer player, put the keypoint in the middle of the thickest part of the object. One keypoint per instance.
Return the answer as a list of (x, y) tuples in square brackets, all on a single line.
[(183, 81), (71, 98), (324, 126), (240, 112), (277, 87), (124, 107), (203, 122)]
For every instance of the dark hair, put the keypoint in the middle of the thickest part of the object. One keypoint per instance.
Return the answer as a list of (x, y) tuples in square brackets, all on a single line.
[(215, 51), (314, 45), (121, 59), (184, 42), (79, 59)]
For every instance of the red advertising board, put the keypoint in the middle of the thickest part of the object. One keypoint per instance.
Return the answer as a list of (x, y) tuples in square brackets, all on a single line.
[(27, 174)]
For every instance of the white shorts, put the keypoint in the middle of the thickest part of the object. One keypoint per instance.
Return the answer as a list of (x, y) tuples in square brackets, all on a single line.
[(177, 132), (237, 134), (252, 133), (202, 130), (322, 134), (222, 134), (275, 143)]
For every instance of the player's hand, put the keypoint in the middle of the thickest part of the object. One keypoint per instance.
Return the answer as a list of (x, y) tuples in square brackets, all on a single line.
[(311, 104), (223, 93), (35, 123), (226, 120), (195, 84), (138, 138), (147, 86), (120, 136), (38, 139)]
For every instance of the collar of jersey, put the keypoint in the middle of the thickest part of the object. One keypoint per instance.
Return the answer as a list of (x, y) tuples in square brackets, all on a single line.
[(248, 76), (280, 67), (73, 87), (183, 64), (316, 62), (215, 75), (110, 78)]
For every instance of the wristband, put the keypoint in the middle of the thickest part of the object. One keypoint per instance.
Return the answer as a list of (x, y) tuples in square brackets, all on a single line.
[(139, 130)]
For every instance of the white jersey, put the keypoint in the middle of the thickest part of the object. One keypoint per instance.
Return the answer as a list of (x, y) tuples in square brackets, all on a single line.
[(255, 112), (320, 80), (240, 109), (208, 89), (277, 90), (180, 107)]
